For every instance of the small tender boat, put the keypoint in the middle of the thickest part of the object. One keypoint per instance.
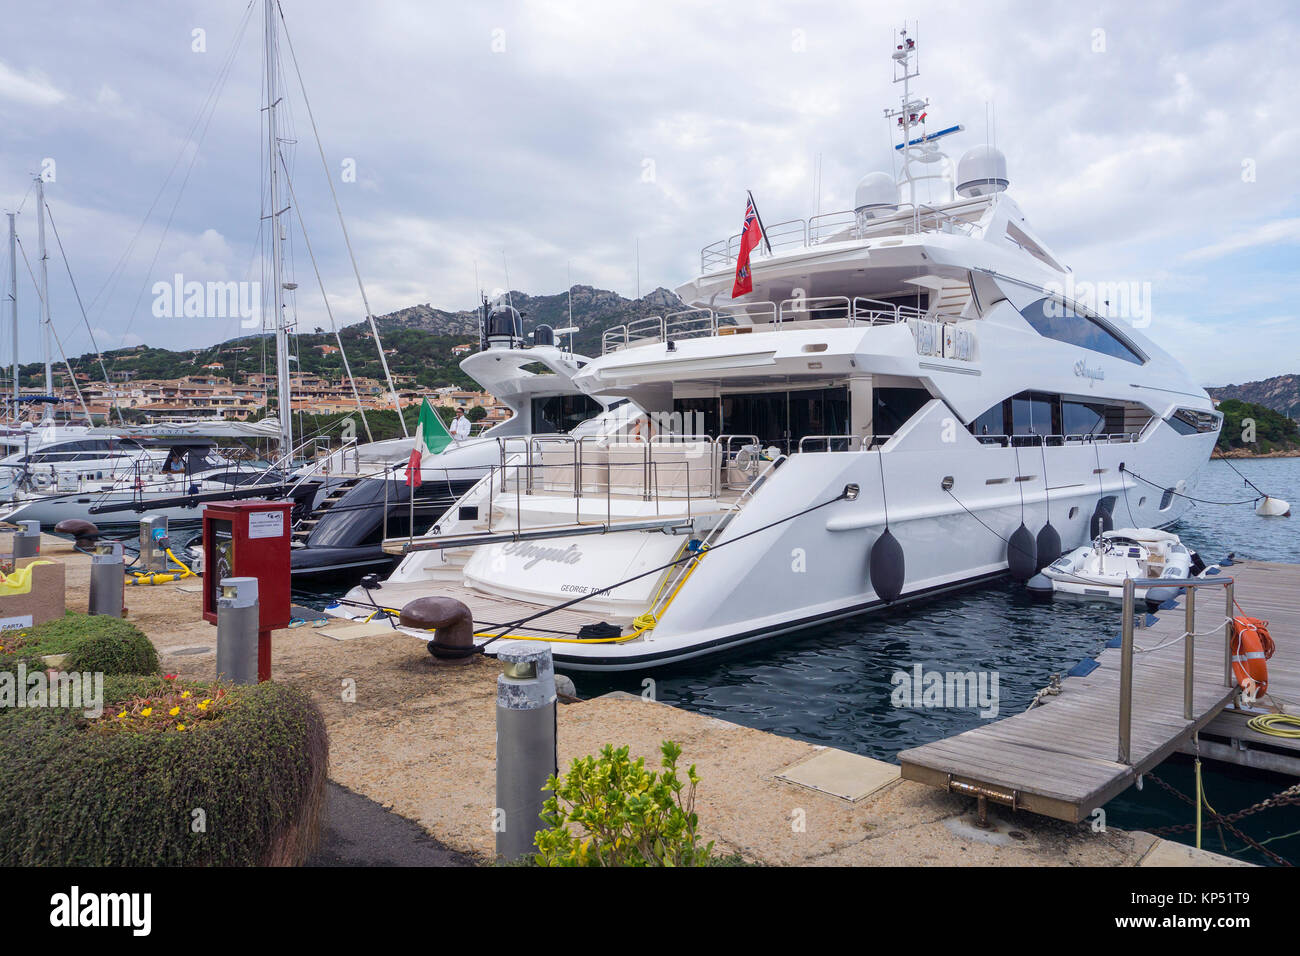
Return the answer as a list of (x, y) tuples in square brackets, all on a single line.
[(1098, 570)]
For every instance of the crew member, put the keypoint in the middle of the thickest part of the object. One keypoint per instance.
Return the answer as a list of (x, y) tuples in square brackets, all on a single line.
[(460, 426)]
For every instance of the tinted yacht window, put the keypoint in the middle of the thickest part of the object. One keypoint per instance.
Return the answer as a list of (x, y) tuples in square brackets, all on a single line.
[(1055, 320), (561, 413), (1083, 418)]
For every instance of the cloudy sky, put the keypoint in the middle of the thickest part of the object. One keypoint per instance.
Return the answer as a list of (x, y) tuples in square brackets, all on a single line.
[(1149, 143)]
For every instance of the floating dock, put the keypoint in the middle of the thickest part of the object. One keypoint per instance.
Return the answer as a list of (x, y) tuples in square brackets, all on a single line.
[(1062, 758)]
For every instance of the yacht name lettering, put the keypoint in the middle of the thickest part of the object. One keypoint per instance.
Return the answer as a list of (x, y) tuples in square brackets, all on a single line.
[(1083, 370), (535, 553)]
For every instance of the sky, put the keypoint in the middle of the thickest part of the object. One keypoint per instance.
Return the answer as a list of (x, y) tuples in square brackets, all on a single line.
[(479, 145)]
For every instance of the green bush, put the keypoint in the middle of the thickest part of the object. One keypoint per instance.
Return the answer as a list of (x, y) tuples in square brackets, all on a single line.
[(93, 643), (628, 815), (243, 788)]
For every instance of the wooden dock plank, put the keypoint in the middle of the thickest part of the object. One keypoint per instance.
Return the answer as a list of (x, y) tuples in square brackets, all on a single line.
[(1061, 757)]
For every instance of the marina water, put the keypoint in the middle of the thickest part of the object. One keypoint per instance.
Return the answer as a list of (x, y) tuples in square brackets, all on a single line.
[(832, 685)]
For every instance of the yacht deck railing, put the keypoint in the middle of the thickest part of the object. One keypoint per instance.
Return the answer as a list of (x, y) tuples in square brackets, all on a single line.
[(841, 226), (815, 312)]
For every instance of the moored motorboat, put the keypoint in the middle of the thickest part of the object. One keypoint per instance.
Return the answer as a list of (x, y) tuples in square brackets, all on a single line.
[(1099, 569)]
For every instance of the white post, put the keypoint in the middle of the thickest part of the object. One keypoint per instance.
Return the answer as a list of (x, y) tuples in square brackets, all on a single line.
[(283, 389), (45, 290), (13, 303)]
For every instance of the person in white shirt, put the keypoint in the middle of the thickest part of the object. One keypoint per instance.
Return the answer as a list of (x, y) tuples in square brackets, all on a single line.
[(460, 426)]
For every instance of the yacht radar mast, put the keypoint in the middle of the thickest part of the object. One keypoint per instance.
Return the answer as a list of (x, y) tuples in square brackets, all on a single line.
[(912, 114)]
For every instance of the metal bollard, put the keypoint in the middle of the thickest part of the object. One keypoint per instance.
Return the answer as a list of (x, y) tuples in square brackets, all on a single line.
[(237, 621), (525, 743), (153, 543), (27, 540), (107, 577)]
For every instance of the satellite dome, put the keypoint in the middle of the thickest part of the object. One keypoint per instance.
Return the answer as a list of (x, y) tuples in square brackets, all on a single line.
[(982, 171), (876, 194), (543, 335)]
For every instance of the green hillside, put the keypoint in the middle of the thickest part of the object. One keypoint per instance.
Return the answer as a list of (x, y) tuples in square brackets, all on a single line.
[(422, 338), (1274, 432)]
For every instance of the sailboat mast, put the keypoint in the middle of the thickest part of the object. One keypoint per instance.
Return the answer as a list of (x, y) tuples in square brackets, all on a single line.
[(13, 302), (283, 390), (45, 288)]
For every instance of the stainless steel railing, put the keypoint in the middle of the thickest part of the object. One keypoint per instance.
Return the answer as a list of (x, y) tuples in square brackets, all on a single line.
[(839, 226), (1189, 587)]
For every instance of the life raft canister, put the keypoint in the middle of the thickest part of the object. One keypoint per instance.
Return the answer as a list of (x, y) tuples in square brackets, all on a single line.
[(1251, 648)]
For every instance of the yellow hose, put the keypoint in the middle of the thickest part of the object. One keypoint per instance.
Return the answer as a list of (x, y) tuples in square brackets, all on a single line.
[(162, 577), (1276, 725)]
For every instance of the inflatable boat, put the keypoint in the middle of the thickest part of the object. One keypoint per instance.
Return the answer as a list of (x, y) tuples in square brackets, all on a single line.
[(1098, 570)]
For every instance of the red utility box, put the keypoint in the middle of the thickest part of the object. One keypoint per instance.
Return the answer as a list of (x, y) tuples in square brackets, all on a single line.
[(249, 539)]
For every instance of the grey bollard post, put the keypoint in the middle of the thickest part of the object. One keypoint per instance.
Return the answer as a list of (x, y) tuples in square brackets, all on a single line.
[(107, 577), (525, 743), (27, 540), (237, 623)]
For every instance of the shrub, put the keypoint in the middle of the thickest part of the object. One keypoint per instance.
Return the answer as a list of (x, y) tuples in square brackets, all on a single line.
[(630, 816), (93, 643), (243, 785)]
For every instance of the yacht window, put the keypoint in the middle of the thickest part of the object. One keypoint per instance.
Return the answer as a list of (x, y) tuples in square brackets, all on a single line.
[(561, 413), (992, 423), (699, 416), (1189, 421), (819, 411), (1053, 319), (763, 414), (1166, 499), (894, 406), (1083, 418), (1032, 413)]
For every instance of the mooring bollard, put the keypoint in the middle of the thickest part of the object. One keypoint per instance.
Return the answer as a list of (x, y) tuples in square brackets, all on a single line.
[(27, 540), (525, 743), (107, 578), (237, 623)]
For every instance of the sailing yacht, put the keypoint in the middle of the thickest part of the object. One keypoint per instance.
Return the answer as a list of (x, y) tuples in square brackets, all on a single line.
[(905, 402)]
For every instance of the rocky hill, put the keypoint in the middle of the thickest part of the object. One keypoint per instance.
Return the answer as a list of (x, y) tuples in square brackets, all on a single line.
[(1280, 393), (594, 311), (418, 338)]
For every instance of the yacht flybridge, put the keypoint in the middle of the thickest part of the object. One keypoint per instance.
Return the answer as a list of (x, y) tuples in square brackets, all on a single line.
[(345, 535), (905, 403)]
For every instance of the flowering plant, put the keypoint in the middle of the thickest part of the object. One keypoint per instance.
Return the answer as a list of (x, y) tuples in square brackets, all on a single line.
[(175, 708), (11, 641)]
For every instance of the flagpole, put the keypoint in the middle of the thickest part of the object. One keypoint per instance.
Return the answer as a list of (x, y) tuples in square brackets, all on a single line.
[(761, 227)]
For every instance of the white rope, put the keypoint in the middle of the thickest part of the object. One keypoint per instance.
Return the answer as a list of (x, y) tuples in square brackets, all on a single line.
[(1216, 628), (329, 178), (343, 353), (72, 377)]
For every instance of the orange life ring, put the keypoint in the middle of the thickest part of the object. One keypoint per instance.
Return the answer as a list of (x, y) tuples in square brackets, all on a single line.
[(1251, 648)]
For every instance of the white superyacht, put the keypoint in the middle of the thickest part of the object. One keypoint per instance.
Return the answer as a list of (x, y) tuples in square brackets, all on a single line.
[(905, 403)]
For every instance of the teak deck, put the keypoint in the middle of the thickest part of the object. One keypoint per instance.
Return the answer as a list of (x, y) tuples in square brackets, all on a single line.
[(1060, 759)]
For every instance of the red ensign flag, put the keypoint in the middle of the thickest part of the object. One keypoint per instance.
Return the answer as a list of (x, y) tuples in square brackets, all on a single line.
[(750, 236)]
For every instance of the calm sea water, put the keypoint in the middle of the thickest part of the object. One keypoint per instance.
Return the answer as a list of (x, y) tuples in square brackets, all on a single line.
[(831, 685)]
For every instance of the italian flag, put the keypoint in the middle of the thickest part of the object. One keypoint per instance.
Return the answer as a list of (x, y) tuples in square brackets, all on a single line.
[(431, 435)]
